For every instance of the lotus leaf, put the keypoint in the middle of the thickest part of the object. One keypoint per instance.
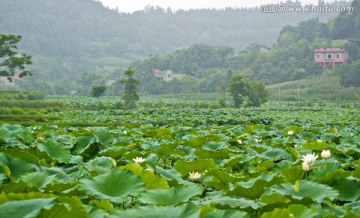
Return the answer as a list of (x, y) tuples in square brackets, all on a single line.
[(349, 188), (315, 191), (148, 177), (114, 186), (199, 165), (225, 214), (14, 168), (25, 208), (172, 196), (38, 179), (103, 136), (151, 211), (100, 165), (56, 150), (66, 207)]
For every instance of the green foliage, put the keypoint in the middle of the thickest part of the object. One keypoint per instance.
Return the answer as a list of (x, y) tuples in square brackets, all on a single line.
[(151, 211), (130, 95), (108, 39), (25, 208), (97, 90), (314, 191), (238, 89), (197, 58), (247, 92), (12, 63), (256, 93), (172, 196), (322, 88), (21, 95), (88, 79), (249, 163), (290, 59), (343, 27), (349, 74), (114, 186)]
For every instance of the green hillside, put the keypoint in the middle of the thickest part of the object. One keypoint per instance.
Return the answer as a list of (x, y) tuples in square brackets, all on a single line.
[(291, 59), (318, 88), (69, 37)]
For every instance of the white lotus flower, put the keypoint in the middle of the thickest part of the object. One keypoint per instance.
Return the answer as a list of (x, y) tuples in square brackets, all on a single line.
[(125, 132), (239, 141), (290, 132), (194, 175), (295, 146), (309, 158), (138, 159), (305, 166), (325, 154)]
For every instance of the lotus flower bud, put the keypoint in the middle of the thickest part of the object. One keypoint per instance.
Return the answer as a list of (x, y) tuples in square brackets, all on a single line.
[(305, 166), (325, 154)]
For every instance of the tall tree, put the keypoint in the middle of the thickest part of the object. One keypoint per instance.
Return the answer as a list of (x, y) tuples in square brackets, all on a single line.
[(12, 62), (238, 89), (130, 93)]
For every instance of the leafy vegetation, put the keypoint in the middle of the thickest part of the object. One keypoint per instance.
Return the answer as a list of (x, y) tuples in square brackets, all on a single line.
[(97, 90), (183, 161), (248, 93), (21, 95), (290, 59), (86, 157), (130, 92), (322, 88), (65, 43), (12, 63)]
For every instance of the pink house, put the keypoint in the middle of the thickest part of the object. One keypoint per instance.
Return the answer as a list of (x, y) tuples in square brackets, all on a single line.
[(330, 56)]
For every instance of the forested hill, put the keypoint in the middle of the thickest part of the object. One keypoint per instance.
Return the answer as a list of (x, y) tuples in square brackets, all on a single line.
[(292, 58), (69, 37)]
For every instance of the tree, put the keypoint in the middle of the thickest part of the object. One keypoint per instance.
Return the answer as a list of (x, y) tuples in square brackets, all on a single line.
[(238, 89), (130, 91), (97, 90), (247, 92), (11, 62), (64, 86), (256, 93), (349, 74), (86, 81)]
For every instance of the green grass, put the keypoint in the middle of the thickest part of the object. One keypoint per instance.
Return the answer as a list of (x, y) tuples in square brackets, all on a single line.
[(318, 88)]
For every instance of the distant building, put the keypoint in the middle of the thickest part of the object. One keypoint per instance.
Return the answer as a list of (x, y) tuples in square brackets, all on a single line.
[(264, 49), (166, 75), (330, 57), (9, 84), (110, 81)]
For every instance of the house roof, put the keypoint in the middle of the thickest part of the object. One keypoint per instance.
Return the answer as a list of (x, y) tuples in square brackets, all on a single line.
[(157, 72), (330, 50)]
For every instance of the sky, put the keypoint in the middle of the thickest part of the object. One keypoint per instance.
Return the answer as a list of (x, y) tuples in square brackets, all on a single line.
[(136, 5)]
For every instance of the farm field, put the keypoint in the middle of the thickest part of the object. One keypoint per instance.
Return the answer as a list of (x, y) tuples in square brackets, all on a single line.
[(173, 158)]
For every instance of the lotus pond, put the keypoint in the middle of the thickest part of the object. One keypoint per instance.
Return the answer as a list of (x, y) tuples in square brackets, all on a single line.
[(171, 162)]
